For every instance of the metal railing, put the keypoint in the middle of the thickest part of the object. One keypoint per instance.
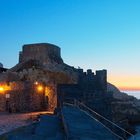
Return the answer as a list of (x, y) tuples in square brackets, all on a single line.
[(115, 129)]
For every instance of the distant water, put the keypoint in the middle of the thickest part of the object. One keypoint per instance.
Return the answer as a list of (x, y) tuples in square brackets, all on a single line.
[(133, 93)]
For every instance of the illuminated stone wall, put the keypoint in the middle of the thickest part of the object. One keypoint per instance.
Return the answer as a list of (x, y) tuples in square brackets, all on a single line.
[(2, 102), (24, 97)]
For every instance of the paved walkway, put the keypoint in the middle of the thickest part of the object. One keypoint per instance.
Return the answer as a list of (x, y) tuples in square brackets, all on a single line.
[(81, 127), (48, 128), (9, 122), (137, 135)]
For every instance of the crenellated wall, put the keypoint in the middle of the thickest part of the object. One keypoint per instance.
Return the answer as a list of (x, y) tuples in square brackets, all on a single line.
[(89, 86)]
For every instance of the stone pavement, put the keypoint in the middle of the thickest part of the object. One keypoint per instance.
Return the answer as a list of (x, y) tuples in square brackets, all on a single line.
[(48, 128), (137, 135), (81, 127), (9, 122)]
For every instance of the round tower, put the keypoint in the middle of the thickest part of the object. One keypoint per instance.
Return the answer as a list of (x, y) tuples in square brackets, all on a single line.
[(42, 52)]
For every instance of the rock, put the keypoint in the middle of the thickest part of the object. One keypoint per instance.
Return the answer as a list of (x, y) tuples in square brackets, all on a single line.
[(117, 94), (124, 106)]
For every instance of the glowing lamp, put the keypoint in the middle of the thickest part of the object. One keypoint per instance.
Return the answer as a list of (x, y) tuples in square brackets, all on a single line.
[(40, 88), (1, 89), (36, 83)]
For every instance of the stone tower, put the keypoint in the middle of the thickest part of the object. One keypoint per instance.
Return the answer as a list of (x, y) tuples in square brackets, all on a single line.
[(42, 52)]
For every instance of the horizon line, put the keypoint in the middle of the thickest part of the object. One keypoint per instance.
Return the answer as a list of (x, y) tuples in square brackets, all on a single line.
[(129, 88)]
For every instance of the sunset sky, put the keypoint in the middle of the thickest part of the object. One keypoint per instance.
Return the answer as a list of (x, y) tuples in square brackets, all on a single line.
[(96, 34)]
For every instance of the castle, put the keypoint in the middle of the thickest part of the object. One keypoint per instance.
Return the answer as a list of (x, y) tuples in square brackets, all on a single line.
[(42, 63)]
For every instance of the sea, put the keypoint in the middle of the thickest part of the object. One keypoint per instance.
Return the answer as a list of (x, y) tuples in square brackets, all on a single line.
[(133, 93)]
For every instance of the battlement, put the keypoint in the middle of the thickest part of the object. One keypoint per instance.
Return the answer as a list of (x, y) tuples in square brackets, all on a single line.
[(43, 52), (89, 87), (97, 81)]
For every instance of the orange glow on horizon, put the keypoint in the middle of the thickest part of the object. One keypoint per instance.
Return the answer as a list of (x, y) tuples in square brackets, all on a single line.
[(125, 82), (129, 88)]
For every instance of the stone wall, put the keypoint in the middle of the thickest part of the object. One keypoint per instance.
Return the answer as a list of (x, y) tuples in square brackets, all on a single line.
[(43, 52), (24, 97), (91, 88), (101, 79), (2, 69), (2, 102)]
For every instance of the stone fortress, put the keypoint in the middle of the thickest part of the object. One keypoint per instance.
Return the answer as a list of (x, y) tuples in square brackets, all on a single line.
[(47, 54), (42, 81), (42, 63)]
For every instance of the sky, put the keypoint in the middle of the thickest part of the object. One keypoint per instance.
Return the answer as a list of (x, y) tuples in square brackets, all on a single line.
[(92, 34)]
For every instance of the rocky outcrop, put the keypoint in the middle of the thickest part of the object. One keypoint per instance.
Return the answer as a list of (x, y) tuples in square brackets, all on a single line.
[(117, 94), (124, 106)]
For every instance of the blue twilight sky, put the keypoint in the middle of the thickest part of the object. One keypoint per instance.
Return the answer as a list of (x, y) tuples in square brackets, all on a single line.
[(96, 34)]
